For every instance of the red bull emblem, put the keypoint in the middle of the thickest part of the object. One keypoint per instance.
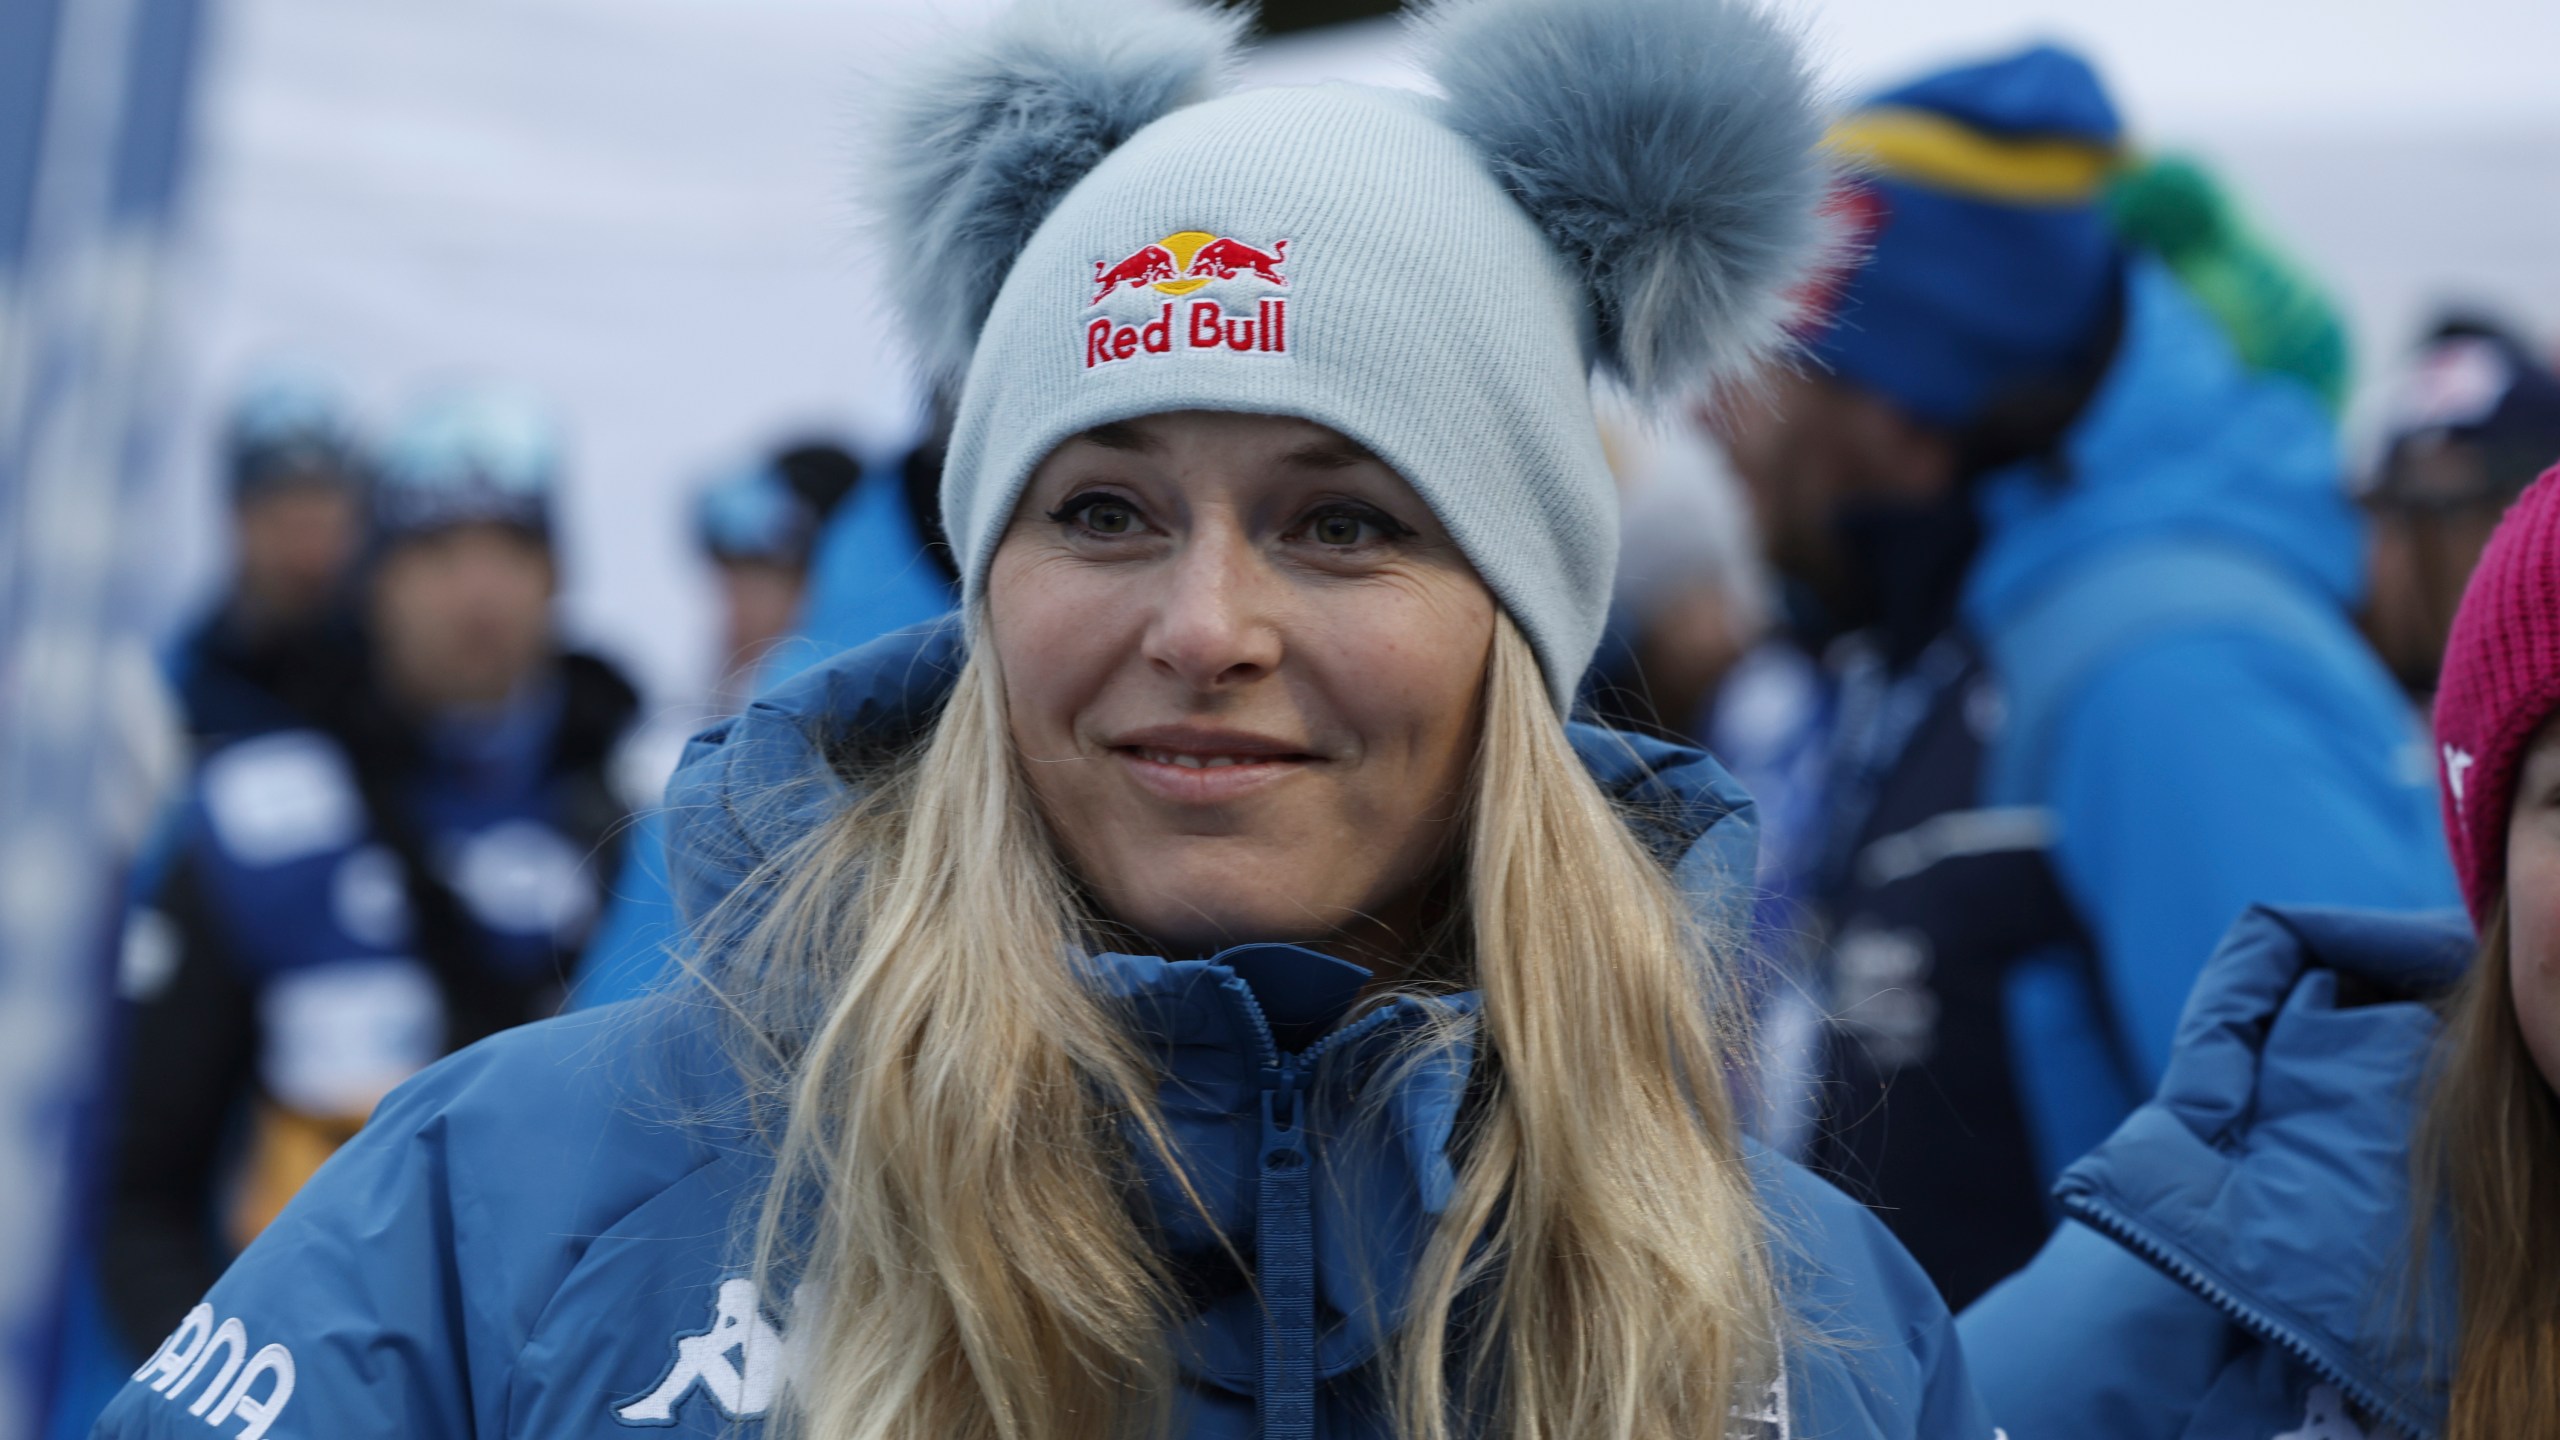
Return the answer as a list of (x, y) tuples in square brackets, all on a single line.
[(1179, 265)]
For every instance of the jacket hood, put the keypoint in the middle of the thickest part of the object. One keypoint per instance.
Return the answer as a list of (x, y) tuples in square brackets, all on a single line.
[(2271, 1173), (2181, 439), (1227, 1029)]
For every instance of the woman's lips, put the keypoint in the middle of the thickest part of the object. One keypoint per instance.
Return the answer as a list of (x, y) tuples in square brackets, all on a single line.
[(1190, 777)]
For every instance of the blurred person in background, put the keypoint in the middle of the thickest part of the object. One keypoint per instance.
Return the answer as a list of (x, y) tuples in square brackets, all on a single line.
[(1692, 595), (2472, 420), (2096, 688), (870, 560), (296, 482), (353, 897), (757, 530)]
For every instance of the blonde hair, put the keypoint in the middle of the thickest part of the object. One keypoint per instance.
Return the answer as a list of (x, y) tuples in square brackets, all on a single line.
[(954, 1173), (2488, 1158)]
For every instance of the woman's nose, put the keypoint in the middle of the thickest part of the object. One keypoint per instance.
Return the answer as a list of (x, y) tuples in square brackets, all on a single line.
[(1215, 624)]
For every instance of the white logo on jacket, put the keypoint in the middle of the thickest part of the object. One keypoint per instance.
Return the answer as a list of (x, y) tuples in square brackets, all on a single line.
[(744, 1386), (187, 1356)]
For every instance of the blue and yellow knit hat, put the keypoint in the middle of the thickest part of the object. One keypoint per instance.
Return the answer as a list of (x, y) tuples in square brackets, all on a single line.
[(1989, 259)]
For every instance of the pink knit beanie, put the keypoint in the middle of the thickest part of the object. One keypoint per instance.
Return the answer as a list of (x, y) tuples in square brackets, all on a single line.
[(2501, 681)]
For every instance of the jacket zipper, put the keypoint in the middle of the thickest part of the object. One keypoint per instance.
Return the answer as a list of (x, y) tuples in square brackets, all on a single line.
[(1284, 1228), (2248, 1317)]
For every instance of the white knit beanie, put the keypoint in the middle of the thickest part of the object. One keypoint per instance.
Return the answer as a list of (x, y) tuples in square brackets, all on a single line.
[(1628, 184)]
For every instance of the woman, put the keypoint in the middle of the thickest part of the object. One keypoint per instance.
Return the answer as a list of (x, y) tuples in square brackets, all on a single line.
[(2336, 1221), (1285, 533)]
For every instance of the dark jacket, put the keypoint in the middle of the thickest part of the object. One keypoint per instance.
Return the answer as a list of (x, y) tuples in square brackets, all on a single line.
[(348, 899)]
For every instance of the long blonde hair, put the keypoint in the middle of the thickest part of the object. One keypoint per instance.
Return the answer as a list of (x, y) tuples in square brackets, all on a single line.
[(954, 1177), (2488, 1157)]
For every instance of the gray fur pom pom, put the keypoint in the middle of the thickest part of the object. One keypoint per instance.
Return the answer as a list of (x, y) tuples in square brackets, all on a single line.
[(1669, 148), (984, 137)]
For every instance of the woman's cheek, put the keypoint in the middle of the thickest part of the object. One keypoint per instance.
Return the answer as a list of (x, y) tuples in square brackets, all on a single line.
[(1052, 623), (2533, 943)]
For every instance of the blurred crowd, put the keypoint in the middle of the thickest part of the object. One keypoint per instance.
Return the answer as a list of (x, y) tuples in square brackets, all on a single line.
[(2044, 609)]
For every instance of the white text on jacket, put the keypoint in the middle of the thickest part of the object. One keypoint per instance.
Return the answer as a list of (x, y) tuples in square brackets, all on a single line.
[(218, 1355)]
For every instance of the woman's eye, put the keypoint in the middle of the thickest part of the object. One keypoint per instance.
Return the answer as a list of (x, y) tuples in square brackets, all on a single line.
[(1342, 528), (1098, 515), (1337, 530)]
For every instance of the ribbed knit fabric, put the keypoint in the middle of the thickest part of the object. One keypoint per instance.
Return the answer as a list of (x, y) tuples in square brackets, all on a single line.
[(1414, 307), (2501, 682)]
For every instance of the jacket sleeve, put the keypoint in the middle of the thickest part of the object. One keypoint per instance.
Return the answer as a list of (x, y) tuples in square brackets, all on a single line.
[(345, 1317), (2090, 1342), (190, 1035), (2202, 774)]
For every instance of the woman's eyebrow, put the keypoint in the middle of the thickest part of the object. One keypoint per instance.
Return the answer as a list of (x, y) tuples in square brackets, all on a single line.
[(1336, 453), (1120, 435)]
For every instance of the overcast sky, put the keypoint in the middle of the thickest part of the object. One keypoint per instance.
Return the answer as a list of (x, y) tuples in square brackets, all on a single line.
[(2204, 63), (2187, 66)]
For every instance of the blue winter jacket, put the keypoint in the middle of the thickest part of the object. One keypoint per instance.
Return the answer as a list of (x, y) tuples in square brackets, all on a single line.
[(2236, 1261), (2188, 707), (540, 1236)]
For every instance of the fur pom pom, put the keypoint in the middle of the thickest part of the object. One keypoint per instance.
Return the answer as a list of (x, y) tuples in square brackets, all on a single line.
[(984, 137), (1669, 148)]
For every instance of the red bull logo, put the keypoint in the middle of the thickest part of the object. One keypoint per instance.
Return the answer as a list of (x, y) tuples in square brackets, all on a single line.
[(1179, 265)]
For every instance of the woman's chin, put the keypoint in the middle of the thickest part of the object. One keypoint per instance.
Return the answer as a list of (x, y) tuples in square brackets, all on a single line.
[(1190, 932)]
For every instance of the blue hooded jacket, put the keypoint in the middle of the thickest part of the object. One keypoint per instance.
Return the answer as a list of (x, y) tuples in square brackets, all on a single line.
[(2235, 1263), (2167, 612), (540, 1236)]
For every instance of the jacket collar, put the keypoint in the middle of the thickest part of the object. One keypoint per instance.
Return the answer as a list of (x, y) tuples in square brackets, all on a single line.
[(2271, 1174)]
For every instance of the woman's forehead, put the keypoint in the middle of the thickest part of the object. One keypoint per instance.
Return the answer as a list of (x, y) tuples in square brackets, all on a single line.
[(1224, 429), (1186, 440)]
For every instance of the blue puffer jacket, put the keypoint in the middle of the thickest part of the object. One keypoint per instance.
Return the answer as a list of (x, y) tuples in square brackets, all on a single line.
[(2236, 1262), (539, 1237)]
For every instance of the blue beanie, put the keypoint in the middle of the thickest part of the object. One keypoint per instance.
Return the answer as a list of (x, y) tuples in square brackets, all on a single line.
[(468, 457), (1989, 259), (753, 515), (289, 429)]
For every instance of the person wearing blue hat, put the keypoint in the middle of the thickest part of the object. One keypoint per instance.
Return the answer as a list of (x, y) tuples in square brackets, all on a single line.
[(2085, 578), (758, 532), (295, 478), (407, 866)]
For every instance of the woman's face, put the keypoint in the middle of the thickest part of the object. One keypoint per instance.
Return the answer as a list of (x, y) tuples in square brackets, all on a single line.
[(1243, 666), (2533, 900)]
